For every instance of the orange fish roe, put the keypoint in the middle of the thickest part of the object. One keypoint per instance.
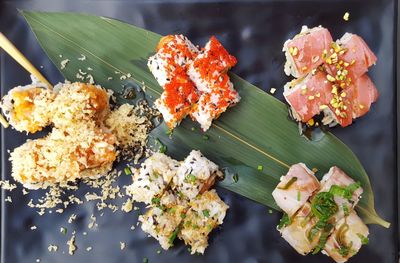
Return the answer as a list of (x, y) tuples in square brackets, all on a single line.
[(180, 95), (213, 61)]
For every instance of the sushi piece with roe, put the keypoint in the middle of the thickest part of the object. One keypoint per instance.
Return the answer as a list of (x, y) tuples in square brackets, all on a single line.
[(177, 100), (212, 63), (174, 52)]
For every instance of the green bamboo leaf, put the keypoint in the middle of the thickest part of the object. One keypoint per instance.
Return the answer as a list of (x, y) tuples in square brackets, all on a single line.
[(255, 132)]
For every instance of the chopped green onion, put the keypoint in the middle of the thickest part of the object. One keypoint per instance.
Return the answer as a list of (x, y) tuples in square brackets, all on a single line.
[(183, 216), (168, 132), (288, 184), (172, 237), (364, 239), (206, 213), (323, 238), (206, 137), (235, 178), (162, 148), (127, 171), (345, 209), (285, 221), (323, 205), (345, 192), (298, 196), (270, 211), (156, 200), (190, 178), (260, 167), (63, 230), (145, 260)]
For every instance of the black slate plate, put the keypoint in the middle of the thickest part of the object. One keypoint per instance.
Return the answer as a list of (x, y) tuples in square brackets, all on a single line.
[(253, 31)]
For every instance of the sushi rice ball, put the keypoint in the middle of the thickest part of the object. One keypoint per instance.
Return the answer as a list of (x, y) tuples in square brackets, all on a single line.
[(206, 212), (195, 175), (153, 177)]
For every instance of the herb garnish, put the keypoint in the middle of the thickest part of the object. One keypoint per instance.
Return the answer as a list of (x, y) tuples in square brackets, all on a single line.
[(162, 147), (127, 171), (190, 178), (288, 184), (206, 213), (345, 192), (364, 239), (172, 237), (285, 221), (323, 206)]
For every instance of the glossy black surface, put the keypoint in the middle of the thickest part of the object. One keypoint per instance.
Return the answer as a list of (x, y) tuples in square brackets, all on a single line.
[(254, 32)]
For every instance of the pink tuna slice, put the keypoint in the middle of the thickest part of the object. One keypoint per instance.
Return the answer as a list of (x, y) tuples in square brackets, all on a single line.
[(365, 94), (310, 49), (307, 102), (358, 51)]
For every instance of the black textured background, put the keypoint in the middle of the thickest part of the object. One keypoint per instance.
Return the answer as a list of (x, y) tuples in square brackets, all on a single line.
[(254, 32)]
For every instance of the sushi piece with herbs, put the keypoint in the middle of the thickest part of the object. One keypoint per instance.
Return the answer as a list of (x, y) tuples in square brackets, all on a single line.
[(195, 175), (153, 178), (188, 210), (162, 221), (295, 188), (207, 211), (295, 230), (336, 86), (327, 221), (349, 234)]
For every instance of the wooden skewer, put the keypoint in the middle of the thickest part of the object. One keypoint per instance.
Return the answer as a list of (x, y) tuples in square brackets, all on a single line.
[(21, 59), (3, 121)]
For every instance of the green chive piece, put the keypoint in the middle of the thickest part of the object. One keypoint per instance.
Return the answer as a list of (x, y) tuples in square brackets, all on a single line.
[(168, 132), (364, 239), (145, 260), (63, 230), (288, 184), (285, 221), (172, 237), (162, 147), (156, 200), (260, 167), (206, 213), (298, 196), (235, 178), (190, 178), (127, 171), (270, 211), (206, 137)]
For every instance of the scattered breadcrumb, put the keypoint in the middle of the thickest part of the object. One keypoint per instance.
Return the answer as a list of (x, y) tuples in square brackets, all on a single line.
[(64, 63), (346, 16), (82, 58), (133, 227), (52, 248), (33, 227), (122, 245), (71, 244), (38, 260), (8, 199), (71, 218), (88, 248), (127, 206), (272, 90), (92, 222), (6, 185)]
